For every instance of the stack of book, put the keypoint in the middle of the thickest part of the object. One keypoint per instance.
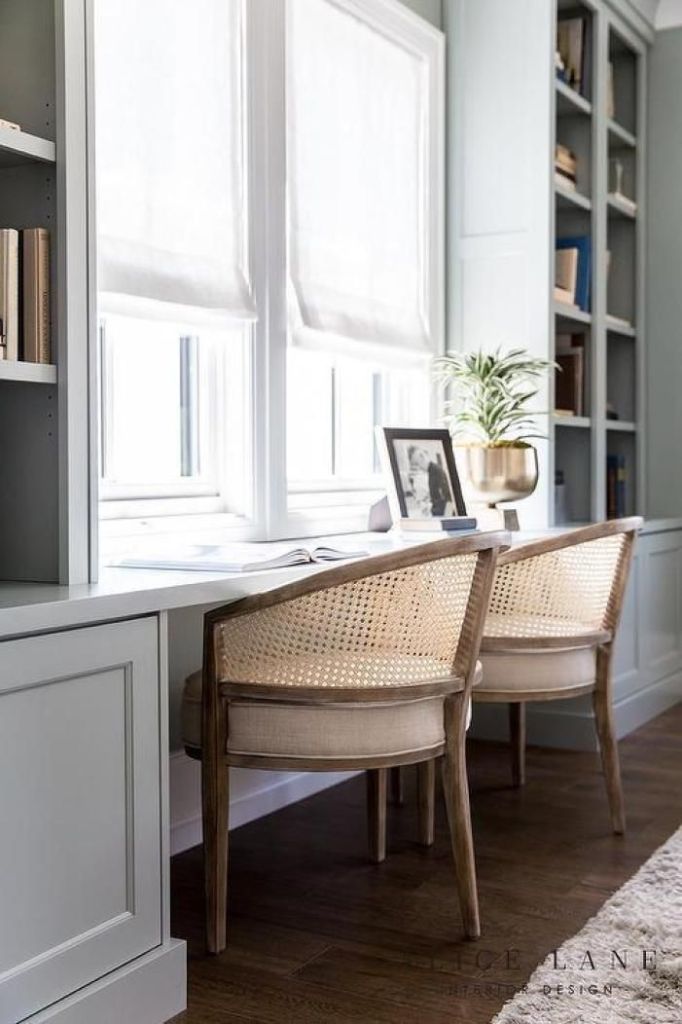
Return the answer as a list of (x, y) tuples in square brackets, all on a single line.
[(565, 167), (569, 398), (616, 486), (25, 295), (573, 53), (573, 271)]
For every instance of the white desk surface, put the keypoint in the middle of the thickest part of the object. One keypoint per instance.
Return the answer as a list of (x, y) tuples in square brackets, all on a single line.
[(121, 593)]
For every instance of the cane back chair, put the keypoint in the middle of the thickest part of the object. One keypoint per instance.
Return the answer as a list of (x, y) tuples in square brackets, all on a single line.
[(363, 666), (549, 635)]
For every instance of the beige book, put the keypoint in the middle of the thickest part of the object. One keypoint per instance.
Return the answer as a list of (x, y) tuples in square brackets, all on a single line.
[(563, 295), (9, 294), (36, 305), (610, 92), (566, 270)]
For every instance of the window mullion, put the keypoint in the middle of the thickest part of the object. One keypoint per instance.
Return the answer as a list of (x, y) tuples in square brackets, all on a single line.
[(266, 35)]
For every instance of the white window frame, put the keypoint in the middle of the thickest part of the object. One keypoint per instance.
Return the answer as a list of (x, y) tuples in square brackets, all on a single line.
[(269, 516)]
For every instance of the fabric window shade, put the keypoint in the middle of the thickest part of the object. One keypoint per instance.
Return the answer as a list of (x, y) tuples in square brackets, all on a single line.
[(171, 189), (358, 181)]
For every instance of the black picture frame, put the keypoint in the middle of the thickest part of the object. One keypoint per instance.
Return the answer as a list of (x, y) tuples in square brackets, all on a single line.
[(387, 437)]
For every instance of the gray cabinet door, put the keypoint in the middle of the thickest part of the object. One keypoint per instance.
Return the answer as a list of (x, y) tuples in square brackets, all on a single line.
[(80, 809)]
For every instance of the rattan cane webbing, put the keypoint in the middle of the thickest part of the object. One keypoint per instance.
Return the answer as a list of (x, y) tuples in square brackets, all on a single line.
[(558, 593), (391, 629)]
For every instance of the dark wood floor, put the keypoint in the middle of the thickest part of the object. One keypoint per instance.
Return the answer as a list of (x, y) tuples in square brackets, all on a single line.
[(319, 936)]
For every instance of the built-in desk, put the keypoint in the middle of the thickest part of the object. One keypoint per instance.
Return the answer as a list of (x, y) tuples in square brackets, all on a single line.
[(84, 759)]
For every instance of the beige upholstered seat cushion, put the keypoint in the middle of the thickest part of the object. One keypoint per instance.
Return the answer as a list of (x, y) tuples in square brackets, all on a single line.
[(344, 730), (508, 672)]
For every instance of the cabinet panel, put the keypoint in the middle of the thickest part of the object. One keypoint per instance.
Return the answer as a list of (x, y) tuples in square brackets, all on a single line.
[(627, 656), (662, 606), (80, 856)]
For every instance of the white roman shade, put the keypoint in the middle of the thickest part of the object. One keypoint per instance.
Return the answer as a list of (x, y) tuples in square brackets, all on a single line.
[(365, 176), (171, 190)]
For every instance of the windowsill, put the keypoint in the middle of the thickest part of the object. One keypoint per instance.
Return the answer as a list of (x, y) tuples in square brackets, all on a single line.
[(118, 536)]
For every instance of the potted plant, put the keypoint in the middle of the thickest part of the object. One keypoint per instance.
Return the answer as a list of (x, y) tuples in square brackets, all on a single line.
[(486, 411)]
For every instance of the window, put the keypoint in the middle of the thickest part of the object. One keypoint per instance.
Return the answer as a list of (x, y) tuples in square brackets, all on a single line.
[(270, 229), (334, 405), (175, 298)]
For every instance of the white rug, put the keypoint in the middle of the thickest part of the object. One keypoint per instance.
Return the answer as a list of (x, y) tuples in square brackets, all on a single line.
[(640, 926)]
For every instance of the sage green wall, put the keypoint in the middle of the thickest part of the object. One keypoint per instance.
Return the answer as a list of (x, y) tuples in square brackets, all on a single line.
[(664, 268), (432, 10)]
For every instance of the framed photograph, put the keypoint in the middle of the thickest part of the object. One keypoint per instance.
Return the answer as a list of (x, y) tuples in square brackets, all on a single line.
[(421, 476)]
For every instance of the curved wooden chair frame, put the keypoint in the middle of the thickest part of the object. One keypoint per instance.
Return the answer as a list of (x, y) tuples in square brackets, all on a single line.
[(231, 671), (598, 635)]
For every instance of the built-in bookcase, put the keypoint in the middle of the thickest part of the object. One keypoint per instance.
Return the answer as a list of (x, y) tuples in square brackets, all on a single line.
[(44, 422), (602, 123)]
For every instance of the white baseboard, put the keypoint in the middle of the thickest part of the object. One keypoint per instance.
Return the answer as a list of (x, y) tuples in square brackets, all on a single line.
[(570, 724), (253, 794), (149, 990)]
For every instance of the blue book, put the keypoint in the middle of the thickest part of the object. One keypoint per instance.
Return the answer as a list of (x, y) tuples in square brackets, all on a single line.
[(583, 289)]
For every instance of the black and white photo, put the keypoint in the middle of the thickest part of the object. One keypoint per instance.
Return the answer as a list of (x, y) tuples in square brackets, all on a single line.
[(421, 475)]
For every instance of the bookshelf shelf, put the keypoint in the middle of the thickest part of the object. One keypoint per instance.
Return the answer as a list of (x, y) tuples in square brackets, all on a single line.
[(569, 199), (616, 326), (591, 147), (619, 136), (624, 426), (569, 102), (608, 155), (571, 313), (18, 148), (574, 422), (28, 373), (45, 410), (619, 208)]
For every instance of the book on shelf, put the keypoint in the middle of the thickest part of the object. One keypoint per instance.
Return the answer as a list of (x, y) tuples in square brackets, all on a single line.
[(569, 386), (9, 294), (565, 166), (566, 271), (610, 92), (36, 294), (616, 486), (565, 297), (565, 158), (583, 245), (573, 47)]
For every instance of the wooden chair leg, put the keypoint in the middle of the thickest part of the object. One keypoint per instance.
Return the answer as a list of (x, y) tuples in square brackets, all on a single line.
[(517, 737), (608, 744), (456, 789), (397, 786), (426, 801), (216, 809), (377, 785)]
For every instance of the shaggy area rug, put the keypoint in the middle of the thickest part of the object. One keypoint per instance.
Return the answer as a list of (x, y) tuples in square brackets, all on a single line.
[(625, 966)]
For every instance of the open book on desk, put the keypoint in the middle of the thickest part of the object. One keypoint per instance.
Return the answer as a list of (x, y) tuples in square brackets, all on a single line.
[(234, 557)]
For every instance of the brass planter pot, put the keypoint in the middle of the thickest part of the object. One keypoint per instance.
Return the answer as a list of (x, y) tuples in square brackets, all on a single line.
[(489, 475)]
